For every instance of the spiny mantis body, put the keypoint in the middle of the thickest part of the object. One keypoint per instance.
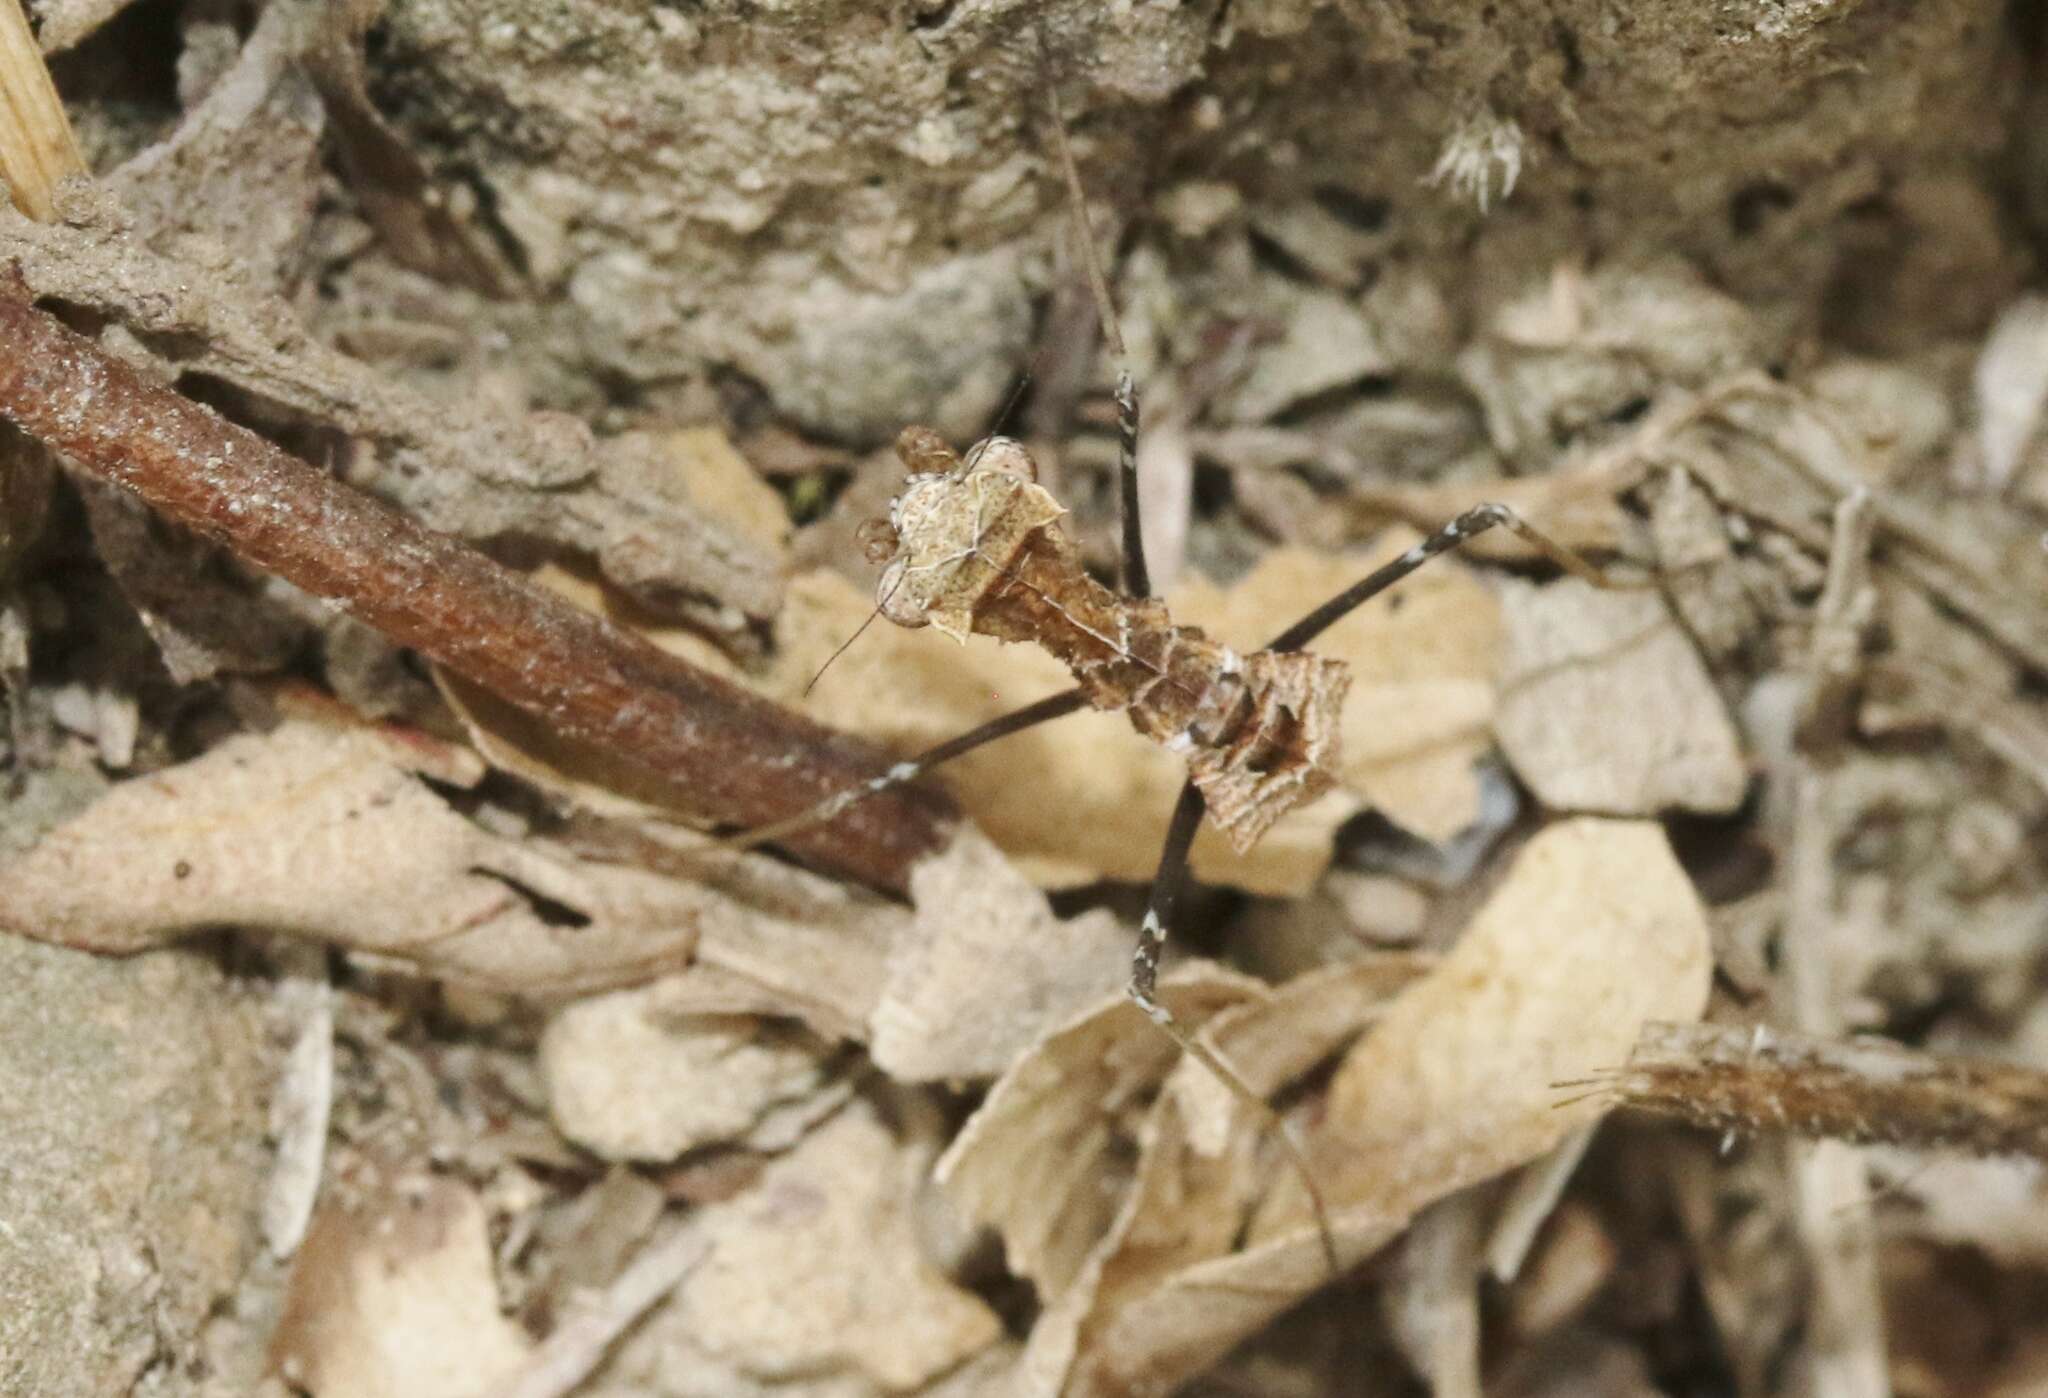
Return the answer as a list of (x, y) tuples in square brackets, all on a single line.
[(973, 544)]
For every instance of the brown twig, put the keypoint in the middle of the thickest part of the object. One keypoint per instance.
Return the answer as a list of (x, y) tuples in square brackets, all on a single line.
[(1728, 1078), (729, 754)]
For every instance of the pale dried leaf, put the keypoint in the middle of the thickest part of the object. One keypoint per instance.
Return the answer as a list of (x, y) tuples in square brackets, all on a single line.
[(398, 1300), (803, 947), (815, 1280), (728, 490), (798, 945), (1584, 345), (1326, 343), (1575, 505), (595, 1320), (329, 832), (736, 554), (1031, 1163), (942, 1014), (1205, 1158), (629, 1083), (1595, 932), (1207, 1161), (1606, 707), (1273, 1040)]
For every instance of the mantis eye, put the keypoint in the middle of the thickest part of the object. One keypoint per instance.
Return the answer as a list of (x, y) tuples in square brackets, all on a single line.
[(877, 540)]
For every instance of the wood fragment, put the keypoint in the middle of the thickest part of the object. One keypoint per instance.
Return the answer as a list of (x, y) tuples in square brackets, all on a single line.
[(1730, 1078), (726, 754)]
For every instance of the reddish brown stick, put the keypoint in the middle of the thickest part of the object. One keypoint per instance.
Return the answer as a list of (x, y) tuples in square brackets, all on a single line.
[(732, 755)]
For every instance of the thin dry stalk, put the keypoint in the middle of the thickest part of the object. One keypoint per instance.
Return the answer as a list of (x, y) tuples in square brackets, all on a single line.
[(1868, 1091), (728, 754), (1830, 1188)]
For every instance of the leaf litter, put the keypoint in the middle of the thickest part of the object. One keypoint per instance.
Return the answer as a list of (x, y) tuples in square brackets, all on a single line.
[(788, 1062)]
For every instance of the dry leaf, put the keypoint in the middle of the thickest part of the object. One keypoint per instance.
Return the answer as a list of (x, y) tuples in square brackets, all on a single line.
[(723, 572), (302, 1099), (814, 1282), (1606, 707), (786, 941), (397, 1300), (629, 1083), (729, 491), (1038, 1160), (1579, 349), (326, 831), (942, 1014), (1575, 505), (329, 832), (1595, 932), (1326, 344), (1204, 1158), (2011, 388), (1033, 1161)]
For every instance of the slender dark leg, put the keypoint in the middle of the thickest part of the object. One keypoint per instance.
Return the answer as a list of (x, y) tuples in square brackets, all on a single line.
[(1167, 886), (1136, 578), (1476, 520), (1030, 716), (1172, 876)]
